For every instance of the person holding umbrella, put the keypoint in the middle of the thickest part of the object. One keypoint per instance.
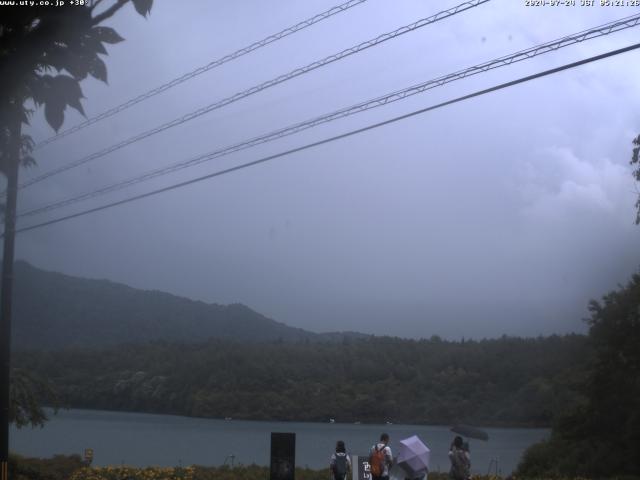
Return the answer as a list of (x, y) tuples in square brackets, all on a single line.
[(460, 464), (413, 458), (467, 453)]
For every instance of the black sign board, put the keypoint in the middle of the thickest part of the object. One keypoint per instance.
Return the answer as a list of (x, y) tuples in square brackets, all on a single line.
[(362, 469), (283, 456)]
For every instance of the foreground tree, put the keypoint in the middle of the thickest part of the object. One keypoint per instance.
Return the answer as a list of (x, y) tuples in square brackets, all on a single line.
[(602, 437), (635, 162), (36, 41), (28, 394)]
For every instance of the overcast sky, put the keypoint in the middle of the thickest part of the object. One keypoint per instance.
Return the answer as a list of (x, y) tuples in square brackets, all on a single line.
[(503, 214)]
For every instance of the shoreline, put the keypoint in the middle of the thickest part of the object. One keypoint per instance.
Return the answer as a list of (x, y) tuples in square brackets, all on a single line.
[(500, 426)]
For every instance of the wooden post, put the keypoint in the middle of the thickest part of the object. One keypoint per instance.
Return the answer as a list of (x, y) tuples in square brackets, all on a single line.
[(6, 292)]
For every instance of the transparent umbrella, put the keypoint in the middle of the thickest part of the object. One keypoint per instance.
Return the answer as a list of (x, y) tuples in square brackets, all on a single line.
[(414, 456)]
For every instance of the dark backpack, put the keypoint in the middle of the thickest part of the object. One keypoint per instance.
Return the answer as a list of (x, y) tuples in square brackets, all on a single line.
[(340, 467), (376, 461)]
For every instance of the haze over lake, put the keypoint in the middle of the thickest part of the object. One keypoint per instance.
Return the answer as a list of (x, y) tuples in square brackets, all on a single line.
[(165, 440)]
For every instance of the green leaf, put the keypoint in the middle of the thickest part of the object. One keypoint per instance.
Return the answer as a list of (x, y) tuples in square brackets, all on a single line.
[(57, 57), (636, 151), (98, 69), (37, 88), (78, 66), (68, 89), (143, 7), (27, 143), (106, 35), (94, 44), (28, 161), (54, 112), (24, 117)]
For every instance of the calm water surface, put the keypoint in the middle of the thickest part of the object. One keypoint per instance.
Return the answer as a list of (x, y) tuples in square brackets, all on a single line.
[(166, 440)]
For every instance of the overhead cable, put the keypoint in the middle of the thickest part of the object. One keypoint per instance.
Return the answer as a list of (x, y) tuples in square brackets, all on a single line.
[(205, 68), (606, 29), (334, 138), (258, 88)]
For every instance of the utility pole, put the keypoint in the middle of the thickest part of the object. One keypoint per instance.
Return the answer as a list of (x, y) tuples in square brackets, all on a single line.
[(11, 172)]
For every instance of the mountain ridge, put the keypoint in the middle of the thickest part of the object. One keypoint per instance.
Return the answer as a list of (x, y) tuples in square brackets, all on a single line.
[(53, 310)]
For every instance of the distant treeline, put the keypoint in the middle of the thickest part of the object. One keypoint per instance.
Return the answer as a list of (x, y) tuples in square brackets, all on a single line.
[(506, 381)]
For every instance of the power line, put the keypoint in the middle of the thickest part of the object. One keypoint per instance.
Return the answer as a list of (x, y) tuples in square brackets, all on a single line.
[(205, 68), (606, 29), (258, 88), (336, 137)]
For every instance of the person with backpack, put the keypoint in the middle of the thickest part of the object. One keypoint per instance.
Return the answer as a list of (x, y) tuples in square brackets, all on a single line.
[(460, 460), (340, 463), (380, 459)]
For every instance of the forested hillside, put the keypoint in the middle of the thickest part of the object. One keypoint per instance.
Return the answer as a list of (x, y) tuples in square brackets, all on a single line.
[(507, 381)]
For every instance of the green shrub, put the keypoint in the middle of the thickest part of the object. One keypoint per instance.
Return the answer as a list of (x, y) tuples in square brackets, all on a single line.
[(59, 467)]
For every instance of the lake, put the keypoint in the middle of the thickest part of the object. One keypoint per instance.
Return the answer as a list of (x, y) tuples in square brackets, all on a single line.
[(165, 440)]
